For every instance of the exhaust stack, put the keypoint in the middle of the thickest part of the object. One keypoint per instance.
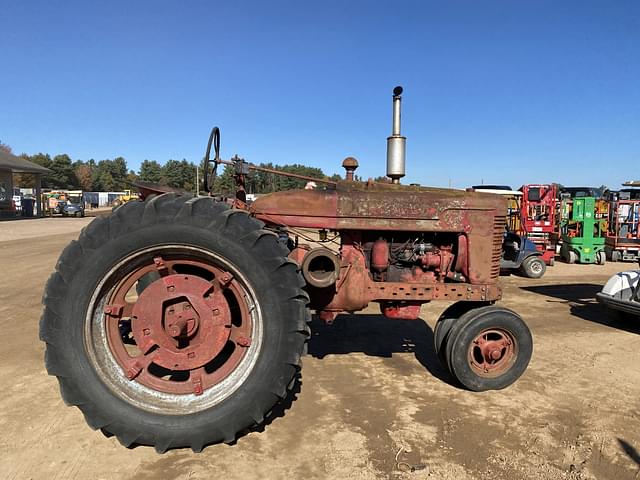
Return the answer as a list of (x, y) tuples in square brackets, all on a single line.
[(396, 143)]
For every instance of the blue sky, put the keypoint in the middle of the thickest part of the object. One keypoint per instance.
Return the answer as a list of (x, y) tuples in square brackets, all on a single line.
[(497, 91)]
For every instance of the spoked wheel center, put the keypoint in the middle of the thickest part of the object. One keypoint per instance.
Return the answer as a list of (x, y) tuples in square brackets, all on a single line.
[(492, 352), (184, 318), (180, 324)]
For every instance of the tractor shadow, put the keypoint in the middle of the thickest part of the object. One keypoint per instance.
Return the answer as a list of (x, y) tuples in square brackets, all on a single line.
[(377, 336), (581, 298)]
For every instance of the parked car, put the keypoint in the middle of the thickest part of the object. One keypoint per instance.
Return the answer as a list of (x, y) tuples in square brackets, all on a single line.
[(74, 204), (73, 209), (622, 293)]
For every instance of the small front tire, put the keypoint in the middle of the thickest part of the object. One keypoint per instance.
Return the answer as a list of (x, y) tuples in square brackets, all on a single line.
[(489, 349)]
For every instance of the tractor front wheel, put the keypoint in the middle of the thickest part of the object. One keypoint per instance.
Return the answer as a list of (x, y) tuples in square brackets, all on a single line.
[(175, 322), (489, 348)]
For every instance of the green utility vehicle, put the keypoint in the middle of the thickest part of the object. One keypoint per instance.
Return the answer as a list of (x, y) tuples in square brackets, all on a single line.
[(583, 226)]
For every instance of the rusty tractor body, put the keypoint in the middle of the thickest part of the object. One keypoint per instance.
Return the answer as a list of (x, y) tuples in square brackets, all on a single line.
[(180, 321), (401, 246)]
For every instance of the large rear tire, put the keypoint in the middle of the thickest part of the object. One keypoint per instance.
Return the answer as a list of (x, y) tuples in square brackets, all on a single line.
[(174, 322)]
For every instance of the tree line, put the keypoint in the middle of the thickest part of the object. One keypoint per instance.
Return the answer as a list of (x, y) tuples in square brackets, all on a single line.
[(114, 175)]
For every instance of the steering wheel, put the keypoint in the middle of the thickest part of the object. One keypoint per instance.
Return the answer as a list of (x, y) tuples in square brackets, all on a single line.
[(209, 178)]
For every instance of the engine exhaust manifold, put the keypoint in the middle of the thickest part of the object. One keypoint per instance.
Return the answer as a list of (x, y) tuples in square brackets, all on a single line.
[(321, 268)]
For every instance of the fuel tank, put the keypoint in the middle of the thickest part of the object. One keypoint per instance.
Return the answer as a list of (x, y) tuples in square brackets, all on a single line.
[(381, 206)]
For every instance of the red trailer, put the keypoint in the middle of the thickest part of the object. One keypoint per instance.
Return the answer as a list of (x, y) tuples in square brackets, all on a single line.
[(538, 218)]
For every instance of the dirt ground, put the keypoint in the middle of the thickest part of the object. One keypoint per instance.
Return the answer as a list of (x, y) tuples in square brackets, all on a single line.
[(370, 387)]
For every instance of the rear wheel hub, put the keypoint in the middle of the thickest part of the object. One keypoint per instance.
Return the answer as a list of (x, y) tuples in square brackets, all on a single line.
[(179, 325), (184, 319)]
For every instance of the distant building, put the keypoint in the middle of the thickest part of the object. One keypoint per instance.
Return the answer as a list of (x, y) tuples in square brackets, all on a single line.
[(10, 164)]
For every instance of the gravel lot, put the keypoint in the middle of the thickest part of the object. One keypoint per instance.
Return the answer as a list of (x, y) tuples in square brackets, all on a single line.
[(370, 386)]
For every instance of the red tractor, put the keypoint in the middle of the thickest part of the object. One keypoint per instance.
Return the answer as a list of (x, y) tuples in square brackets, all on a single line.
[(180, 322)]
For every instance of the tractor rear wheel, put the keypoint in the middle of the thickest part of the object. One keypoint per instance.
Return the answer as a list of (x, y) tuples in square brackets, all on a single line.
[(489, 348), (175, 322)]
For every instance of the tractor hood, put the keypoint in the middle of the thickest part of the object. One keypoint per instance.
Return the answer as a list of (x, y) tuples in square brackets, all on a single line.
[(376, 206)]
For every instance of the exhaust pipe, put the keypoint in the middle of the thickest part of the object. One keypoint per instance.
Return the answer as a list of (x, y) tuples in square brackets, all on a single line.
[(396, 143)]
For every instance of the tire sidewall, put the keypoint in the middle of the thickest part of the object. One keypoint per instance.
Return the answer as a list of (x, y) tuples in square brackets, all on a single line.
[(447, 320), (440, 334)]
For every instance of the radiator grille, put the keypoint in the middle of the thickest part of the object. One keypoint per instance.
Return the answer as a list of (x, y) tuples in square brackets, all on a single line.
[(498, 232)]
